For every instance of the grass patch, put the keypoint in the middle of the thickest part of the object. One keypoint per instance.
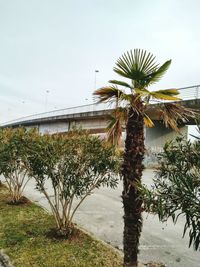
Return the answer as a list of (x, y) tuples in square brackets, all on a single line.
[(24, 237)]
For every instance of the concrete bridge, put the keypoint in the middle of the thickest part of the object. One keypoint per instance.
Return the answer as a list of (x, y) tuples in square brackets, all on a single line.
[(94, 118)]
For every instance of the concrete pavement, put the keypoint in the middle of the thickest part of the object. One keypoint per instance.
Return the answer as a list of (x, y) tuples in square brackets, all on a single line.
[(101, 214)]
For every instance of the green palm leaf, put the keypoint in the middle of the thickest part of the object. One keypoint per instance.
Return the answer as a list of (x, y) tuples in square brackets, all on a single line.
[(136, 65), (166, 94), (140, 67), (142, 91), (155, 76), (120, 83)]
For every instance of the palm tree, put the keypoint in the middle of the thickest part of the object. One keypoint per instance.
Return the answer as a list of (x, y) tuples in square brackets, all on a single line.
[(132, 109)]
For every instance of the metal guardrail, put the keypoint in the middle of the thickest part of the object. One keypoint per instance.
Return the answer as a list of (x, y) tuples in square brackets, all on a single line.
[(61, 112), (186, 93), (190, 92)]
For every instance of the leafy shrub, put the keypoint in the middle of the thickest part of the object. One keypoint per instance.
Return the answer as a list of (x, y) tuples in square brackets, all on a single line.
[(74, 164), (176, 189), (13, 159)]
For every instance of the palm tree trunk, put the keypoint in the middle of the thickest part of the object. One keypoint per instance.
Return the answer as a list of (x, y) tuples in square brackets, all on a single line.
[(132, 168)]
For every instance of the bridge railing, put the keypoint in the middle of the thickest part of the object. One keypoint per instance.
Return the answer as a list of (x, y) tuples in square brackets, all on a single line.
[(189, 93), (61, 112), (186, 93)]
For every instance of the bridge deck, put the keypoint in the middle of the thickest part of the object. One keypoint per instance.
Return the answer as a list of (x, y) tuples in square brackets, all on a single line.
[(190, 96)]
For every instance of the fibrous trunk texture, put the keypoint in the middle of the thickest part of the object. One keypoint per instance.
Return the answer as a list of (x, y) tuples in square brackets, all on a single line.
[(132, 168)]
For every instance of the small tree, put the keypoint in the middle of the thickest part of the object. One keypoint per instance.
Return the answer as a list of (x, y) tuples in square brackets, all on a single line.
[(13, 159), (176, 189), (132, 100), (74, 164)]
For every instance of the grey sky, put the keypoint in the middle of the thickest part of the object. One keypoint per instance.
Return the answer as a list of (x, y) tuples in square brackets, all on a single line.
[(56, 45)]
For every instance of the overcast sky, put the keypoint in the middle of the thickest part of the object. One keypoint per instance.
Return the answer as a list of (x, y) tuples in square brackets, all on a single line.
[(50, 49)]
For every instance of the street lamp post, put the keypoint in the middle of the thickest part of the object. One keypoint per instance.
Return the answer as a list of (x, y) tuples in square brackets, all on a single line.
[(46, 99), (95, 83), (95, 78)]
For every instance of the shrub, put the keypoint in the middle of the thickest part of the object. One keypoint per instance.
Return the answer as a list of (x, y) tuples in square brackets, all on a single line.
[(75, 164), (176, 189), (13, 159)]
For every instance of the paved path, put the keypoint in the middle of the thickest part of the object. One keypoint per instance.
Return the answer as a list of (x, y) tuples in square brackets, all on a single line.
[(101, 214)]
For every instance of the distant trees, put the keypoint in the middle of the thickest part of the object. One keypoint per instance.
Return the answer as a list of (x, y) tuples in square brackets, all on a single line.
[(176, 189)]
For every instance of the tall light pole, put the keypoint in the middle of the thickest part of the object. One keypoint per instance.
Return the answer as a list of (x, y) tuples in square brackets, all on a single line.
[(95, 83), (23, 105), (46, 98), (95, 79)]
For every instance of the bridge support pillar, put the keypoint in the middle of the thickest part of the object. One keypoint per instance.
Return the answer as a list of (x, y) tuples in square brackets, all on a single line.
[(156, 137)]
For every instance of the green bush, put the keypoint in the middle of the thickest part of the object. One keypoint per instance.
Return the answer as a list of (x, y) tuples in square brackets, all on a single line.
[(176, 190), (75, 164), (13, 159)]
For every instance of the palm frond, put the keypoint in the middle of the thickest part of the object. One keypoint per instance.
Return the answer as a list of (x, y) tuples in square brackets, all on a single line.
[(120, 83), (108, 94), (136, 65), (140, 67), (147, 121), (143, 94), (117, 120), (155, 76), (166, 94), (141, 91), (172, 114)]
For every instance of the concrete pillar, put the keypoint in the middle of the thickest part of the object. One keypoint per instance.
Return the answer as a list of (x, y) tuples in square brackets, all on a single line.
[(156, 137)]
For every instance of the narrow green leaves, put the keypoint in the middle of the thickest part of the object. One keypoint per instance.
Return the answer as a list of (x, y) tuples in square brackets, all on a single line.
[(121, 83), (176, 188), (166, 94)]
